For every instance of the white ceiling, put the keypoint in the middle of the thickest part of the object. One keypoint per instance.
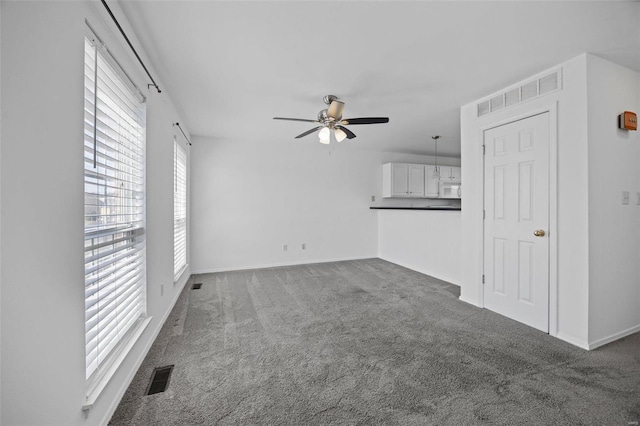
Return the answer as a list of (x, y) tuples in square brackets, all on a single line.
[(231, 66)]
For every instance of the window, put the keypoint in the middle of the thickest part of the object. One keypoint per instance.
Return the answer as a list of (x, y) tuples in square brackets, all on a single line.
[(179, 209), (114, 208)]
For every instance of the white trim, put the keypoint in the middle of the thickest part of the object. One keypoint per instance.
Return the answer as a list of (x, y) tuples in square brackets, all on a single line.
[(552, 109), (480, 217), (422, 271), (572, 340), (278, 265), (106, 373), (467, 301), (181, 273), (553, 218), (613, 337), (125, 384)]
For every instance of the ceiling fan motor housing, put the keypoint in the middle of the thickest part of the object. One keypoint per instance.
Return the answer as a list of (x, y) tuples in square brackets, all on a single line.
[(323, 116), (329, 98)]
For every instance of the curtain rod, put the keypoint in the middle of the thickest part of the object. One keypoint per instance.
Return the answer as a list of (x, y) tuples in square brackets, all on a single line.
[(185, 136), (131, 46)]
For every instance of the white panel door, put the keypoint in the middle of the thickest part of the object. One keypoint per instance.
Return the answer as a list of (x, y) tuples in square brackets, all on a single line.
[(516, 202), (400, 180)]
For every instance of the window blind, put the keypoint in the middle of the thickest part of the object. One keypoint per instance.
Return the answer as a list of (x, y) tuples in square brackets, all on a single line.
[(114, 208), (179, 210)]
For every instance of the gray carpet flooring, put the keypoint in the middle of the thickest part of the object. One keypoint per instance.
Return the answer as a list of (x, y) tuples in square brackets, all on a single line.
[(368, 342)]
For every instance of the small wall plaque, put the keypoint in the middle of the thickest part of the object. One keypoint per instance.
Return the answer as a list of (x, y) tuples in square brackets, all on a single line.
[(628, 120)]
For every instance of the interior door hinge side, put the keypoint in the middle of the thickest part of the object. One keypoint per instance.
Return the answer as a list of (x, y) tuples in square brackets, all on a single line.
[(484, 149), (482, 278)]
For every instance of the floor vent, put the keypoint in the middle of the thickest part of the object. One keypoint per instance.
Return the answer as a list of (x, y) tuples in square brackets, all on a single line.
[(160, 379), (530, 89), (196, 286)]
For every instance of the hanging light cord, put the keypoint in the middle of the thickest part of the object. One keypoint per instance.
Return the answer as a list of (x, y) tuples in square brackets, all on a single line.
[(183, 134), (435, 139), (131, 46)]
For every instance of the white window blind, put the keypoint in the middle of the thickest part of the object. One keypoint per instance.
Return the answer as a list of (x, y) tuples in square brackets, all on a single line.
[(179, 210), (114, 235)]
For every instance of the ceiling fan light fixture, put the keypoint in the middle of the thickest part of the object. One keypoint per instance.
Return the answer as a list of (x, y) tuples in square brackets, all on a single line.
[(340, 135), (325, 134), (331, 119)]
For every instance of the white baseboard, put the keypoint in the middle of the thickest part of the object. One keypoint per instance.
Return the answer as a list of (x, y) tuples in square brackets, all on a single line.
[(422, 271), (573, 340), (276, 265), (462, 299), (614, 337), (147, 346)]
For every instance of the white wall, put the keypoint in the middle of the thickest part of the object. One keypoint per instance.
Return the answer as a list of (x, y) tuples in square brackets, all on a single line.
[(0, 213), (614, 229), (42, 271), (427, 241), (595, 286), (252, 198), (569, 225)]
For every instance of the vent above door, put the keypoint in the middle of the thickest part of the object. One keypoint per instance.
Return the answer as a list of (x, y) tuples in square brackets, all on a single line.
[(524, 91)]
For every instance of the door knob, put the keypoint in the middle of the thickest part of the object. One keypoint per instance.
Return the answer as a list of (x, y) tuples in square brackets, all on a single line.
[(539, 232)]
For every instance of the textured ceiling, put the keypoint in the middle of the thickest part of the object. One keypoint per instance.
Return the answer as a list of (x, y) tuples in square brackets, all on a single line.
[(232, 66)]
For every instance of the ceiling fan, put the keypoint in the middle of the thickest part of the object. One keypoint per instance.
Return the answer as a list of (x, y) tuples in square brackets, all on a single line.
[(330, 119)]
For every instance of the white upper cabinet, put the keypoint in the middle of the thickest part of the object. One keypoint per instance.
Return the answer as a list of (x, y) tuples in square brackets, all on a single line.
[(456, 174), (416, 180), (430, 182), (450, 174), (402, 180)]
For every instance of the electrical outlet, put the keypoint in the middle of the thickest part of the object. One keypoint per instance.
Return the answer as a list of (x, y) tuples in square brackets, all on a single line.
[(625, 197), (373, 198), (284, 247), (304, 246)]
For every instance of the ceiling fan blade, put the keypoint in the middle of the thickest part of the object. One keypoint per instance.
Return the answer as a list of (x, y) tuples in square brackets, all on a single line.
[(335, 109), (366, 120), (296, 119), (350, 134), (308, 132)]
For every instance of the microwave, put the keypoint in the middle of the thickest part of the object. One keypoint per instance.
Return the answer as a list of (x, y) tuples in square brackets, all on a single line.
[(450, 190)]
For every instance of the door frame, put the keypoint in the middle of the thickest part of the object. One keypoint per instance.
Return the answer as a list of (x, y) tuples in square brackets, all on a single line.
[(552, 109)]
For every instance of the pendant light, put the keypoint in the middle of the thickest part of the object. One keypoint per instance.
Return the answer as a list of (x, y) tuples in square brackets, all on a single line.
[(436, 170)]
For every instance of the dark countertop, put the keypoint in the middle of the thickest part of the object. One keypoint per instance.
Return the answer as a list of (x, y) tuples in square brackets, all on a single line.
[(446, 208)]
